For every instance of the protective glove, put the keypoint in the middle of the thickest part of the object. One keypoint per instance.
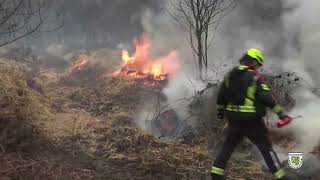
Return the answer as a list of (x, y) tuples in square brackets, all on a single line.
[(284, 120), (220, 114)]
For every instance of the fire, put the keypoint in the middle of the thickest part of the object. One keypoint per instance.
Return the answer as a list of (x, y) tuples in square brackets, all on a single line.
[(79, 64), (142, 65), (125, 56), (156, 70)]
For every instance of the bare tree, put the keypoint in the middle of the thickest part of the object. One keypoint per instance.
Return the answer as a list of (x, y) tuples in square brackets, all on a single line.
[(20, 18), (200, 19)]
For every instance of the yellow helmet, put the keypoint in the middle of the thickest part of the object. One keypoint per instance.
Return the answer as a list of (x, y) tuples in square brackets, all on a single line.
[(256, 54)]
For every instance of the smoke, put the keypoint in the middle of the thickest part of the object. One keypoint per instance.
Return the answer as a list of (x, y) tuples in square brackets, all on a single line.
[(166, 36), (305, 64), (92, 24), (286, 31), (306, 129)]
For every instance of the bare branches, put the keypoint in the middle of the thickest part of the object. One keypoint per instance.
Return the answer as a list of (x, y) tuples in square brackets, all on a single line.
[(200, 19), (20, 18)]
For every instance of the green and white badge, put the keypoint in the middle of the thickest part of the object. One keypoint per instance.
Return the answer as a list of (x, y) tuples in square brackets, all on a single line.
[(295, 160)]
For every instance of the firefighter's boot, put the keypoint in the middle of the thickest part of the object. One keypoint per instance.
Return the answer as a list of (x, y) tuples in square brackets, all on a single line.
[(281, 175), (217, 173)]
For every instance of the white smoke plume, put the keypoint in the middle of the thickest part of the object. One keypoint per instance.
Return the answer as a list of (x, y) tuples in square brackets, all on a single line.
[(166, 36), (305, 63), (287, 31)]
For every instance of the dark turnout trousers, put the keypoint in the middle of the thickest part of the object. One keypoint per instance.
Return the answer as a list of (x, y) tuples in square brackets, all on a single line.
[(257, 133)]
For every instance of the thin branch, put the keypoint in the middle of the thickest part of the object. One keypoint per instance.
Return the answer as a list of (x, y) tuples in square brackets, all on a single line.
[(21, 18), (22, 36), (6, 18), (197, 17)]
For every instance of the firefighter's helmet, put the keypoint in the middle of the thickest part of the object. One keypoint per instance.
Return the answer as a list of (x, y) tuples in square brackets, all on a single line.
[(256, 54)]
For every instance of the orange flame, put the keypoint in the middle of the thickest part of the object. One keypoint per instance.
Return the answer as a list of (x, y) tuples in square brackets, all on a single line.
[(156, 69), (78, 66), (142, 64), (125, 56)]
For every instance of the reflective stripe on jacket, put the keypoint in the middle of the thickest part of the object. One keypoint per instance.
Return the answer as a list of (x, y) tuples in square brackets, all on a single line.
[(245, 91)]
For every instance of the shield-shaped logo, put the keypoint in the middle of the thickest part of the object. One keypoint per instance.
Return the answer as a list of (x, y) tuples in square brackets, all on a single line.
[(295, 160)]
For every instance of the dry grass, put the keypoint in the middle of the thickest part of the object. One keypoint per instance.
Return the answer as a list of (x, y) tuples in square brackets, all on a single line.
[(123, 151), (21, 106), (109, 96), (92, 135), (100, 63), (14, 166)]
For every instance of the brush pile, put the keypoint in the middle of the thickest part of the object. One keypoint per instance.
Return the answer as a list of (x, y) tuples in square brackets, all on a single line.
[(282, 86)]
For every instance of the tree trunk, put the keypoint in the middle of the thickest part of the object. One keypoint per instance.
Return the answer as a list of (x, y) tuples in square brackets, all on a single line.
[(200, 57), (205, 59)]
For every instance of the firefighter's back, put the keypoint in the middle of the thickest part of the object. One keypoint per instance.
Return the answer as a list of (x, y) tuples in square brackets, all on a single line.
[(240, 106)]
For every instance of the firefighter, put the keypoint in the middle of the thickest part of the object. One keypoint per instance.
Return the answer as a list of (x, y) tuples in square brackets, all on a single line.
[(243, 98)]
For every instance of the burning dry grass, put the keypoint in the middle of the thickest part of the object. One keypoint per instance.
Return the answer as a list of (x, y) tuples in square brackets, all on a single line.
[(85, 147), (90, 67), (141, 63), (21, 105)]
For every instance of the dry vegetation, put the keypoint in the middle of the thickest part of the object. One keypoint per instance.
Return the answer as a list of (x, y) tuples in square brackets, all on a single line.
[(21, 103), (85, 130)]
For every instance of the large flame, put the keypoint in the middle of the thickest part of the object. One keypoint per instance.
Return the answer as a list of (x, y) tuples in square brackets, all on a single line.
[(141, 64)]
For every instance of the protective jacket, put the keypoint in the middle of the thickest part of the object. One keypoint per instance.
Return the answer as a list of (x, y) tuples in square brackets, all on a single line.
[(245, 95)]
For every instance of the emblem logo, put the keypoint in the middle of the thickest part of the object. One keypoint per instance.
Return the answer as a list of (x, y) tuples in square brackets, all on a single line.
[(295, 160)]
